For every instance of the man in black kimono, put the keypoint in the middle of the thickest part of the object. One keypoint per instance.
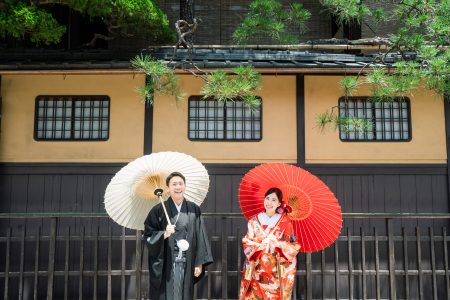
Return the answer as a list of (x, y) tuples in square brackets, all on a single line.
[(173, 274)]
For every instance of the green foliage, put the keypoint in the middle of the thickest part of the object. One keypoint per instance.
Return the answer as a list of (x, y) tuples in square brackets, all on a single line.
[(379, 15), (357, 125), (145, 15), (20, 20), (346, 124), (425, 28), (349, 85), (347, 11), (269, 18), (437, 73), (325, 119), (243, 84), (30, 20), (160, 78)]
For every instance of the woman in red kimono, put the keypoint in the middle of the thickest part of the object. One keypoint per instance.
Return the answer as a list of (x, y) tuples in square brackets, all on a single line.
[(271, 250)]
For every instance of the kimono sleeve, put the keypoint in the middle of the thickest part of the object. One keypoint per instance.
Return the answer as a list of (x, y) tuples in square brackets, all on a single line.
[(154, 239), (203, 255), (251, 244), (288, 249)]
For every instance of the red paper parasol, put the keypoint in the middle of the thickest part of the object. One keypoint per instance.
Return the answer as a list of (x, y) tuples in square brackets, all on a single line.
[(316, 214)]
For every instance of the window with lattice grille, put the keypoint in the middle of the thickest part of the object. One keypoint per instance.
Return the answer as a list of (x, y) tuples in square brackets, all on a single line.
[(72, 118), (385, 121), (231, 120)]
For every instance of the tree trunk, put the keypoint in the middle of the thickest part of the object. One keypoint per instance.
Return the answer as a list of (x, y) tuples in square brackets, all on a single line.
[(187, 14), (187, 10)]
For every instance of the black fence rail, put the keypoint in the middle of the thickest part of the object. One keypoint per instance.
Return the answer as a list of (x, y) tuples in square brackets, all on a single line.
[(86, 256)]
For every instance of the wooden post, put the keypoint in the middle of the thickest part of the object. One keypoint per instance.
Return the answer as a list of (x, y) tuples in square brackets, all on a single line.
[(363, 264), (308, 276), (336, 267), (419, 263), (8, 258), (36, 263), (392, 284), (224, 261), (138, 263), (405, 264), (377, 264), (350, 264), (51, 258), (80, 277), (433, 263)]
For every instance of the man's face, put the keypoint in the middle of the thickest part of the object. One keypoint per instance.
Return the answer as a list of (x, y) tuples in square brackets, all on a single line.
[(176, 188)]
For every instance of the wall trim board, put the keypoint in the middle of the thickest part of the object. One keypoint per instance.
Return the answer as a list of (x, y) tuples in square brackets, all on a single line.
[(223, 169), (60, 168), (379, 169)]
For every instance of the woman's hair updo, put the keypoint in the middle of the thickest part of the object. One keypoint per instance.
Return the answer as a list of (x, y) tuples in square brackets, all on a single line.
[(277, 191)]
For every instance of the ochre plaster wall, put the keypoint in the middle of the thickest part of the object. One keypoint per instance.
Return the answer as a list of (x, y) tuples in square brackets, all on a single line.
[(126, 136), (427, 120), (279, 141)]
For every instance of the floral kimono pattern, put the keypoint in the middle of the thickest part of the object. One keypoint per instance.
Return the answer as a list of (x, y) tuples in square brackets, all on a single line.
[(270, 268)]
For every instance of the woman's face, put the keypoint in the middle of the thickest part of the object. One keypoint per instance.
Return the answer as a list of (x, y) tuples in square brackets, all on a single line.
[(271, 203)]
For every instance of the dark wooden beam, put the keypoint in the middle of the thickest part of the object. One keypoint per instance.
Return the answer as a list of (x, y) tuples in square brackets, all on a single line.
[(148, 128), (301, 121), (447, 138)]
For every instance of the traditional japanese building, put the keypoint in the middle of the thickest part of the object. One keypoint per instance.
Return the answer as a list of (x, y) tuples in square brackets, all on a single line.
[(71, 119)]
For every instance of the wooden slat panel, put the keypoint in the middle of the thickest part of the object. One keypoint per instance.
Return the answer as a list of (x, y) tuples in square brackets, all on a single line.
[(408, 200), (66, 265), (95, 266), (36, 199), (344, 269), (84, 192), (363, 265), (392, 281), (424, 196), (444, 241), (7, 263), (309, 291), (19, 198), (356, 192), (433, 263), (138, 264), (377, 265), (36, 263), (109, 291), (51, 259), (224, 269), (351, 278), (81, 266), (336, 269), (405, 264), (440, 198), (22, 258), (419, 262), (123, 256), (5, 203)]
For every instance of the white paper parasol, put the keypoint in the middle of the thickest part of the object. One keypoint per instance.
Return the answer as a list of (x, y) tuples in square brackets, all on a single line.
[(130, 194)]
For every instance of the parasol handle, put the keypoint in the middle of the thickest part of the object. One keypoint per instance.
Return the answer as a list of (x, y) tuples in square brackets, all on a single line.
[(158, 192)]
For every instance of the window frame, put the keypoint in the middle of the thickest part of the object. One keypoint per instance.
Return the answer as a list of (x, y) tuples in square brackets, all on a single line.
[(200, 97), (397, 99), (73, 99)]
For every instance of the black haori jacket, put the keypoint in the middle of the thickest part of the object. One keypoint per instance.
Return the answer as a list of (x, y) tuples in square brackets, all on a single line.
[(160, 250)]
